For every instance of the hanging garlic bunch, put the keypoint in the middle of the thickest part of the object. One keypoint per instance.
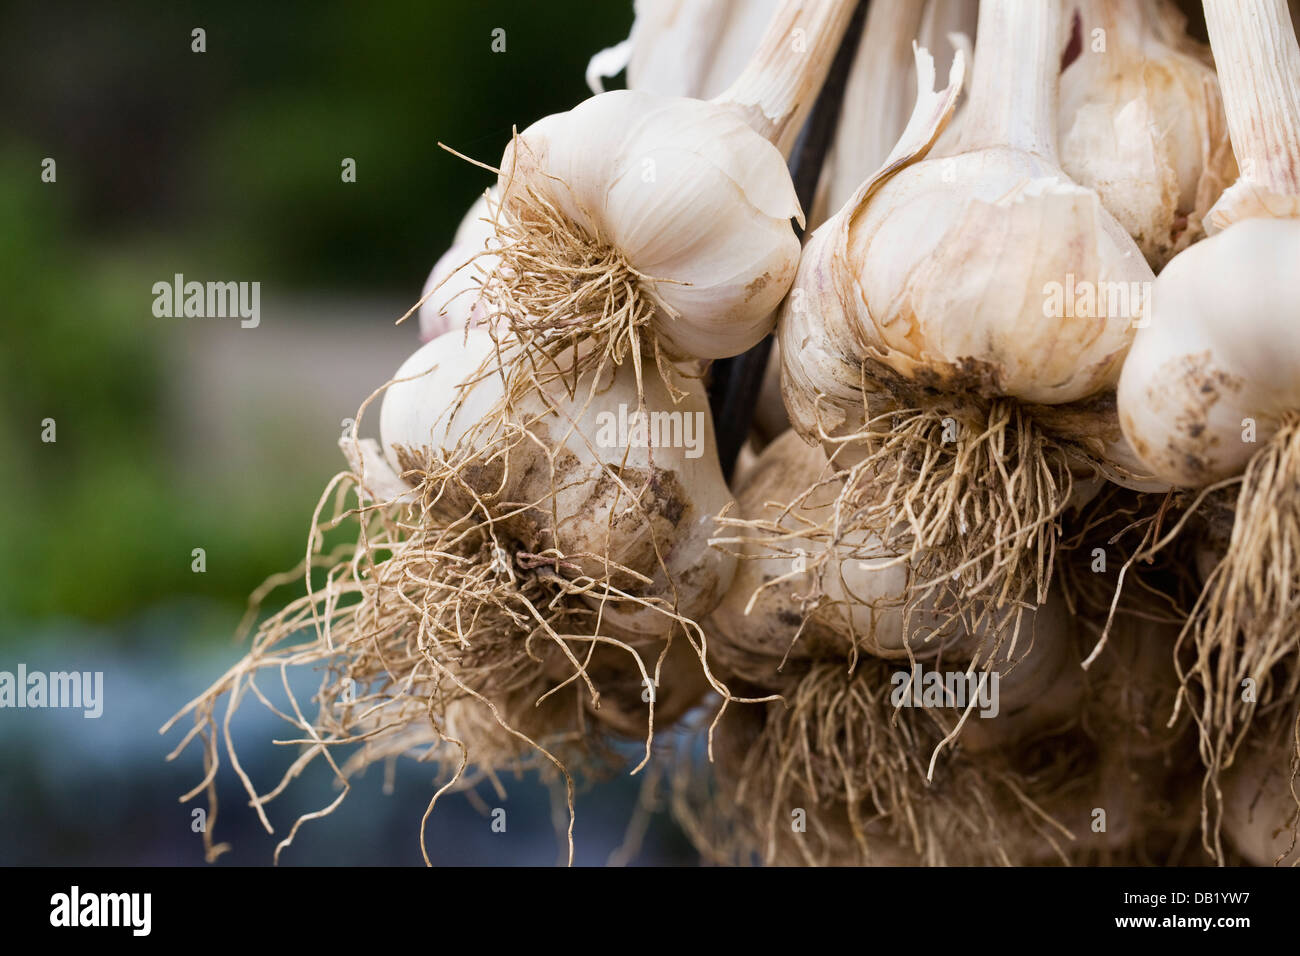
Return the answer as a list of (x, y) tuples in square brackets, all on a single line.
[(1210, 393), (1142, 123), (955, 329)]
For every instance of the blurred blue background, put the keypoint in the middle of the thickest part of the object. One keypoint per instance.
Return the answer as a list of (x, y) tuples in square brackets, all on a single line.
[(176, 434)]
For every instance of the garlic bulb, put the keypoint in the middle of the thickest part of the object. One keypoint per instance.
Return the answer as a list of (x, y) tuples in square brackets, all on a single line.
[(624, 492), (1142, 123), (685, 47), (452, 295), (1261, 812), (938, 328), (980, 212), (1217, 371), (859, 599), (690, 198), (635, 210), (1210, 392), (676, 49), (1214, 373), (794, 603)]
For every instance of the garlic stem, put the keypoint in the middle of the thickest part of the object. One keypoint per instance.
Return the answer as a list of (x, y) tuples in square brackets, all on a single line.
[(780, 83), (875, 108), (1258, 61), (1013, 95)]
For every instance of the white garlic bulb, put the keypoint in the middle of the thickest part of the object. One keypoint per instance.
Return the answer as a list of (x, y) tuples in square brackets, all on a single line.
[(942, 272), (603, 479), (452, 295), (1218, 367), (667, 210), (1142, 123), (864, 598), (688, 194)]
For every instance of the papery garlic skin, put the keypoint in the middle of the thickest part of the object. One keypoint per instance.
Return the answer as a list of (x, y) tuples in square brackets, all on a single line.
[(694, 200), (944, 271), (1258, 60), (693, 47), (881, 89), (577, 506), (878, 98), (1206, 383), (954, 282), (452, 295), (1142, 123)]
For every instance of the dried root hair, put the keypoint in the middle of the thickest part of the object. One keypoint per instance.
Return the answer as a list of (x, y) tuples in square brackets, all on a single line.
[(839, 751), (821, 598), (1243, 638), (970, 492), (446, 640), (842, 515), (1238, 653), (564, 305)]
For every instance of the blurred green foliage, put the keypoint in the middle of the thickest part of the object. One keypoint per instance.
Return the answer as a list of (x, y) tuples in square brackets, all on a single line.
[(222, 163), (96, 524)]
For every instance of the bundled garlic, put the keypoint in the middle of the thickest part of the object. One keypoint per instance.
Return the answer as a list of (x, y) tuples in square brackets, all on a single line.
[(1210, 393), (955, 329), (1142, 123)]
